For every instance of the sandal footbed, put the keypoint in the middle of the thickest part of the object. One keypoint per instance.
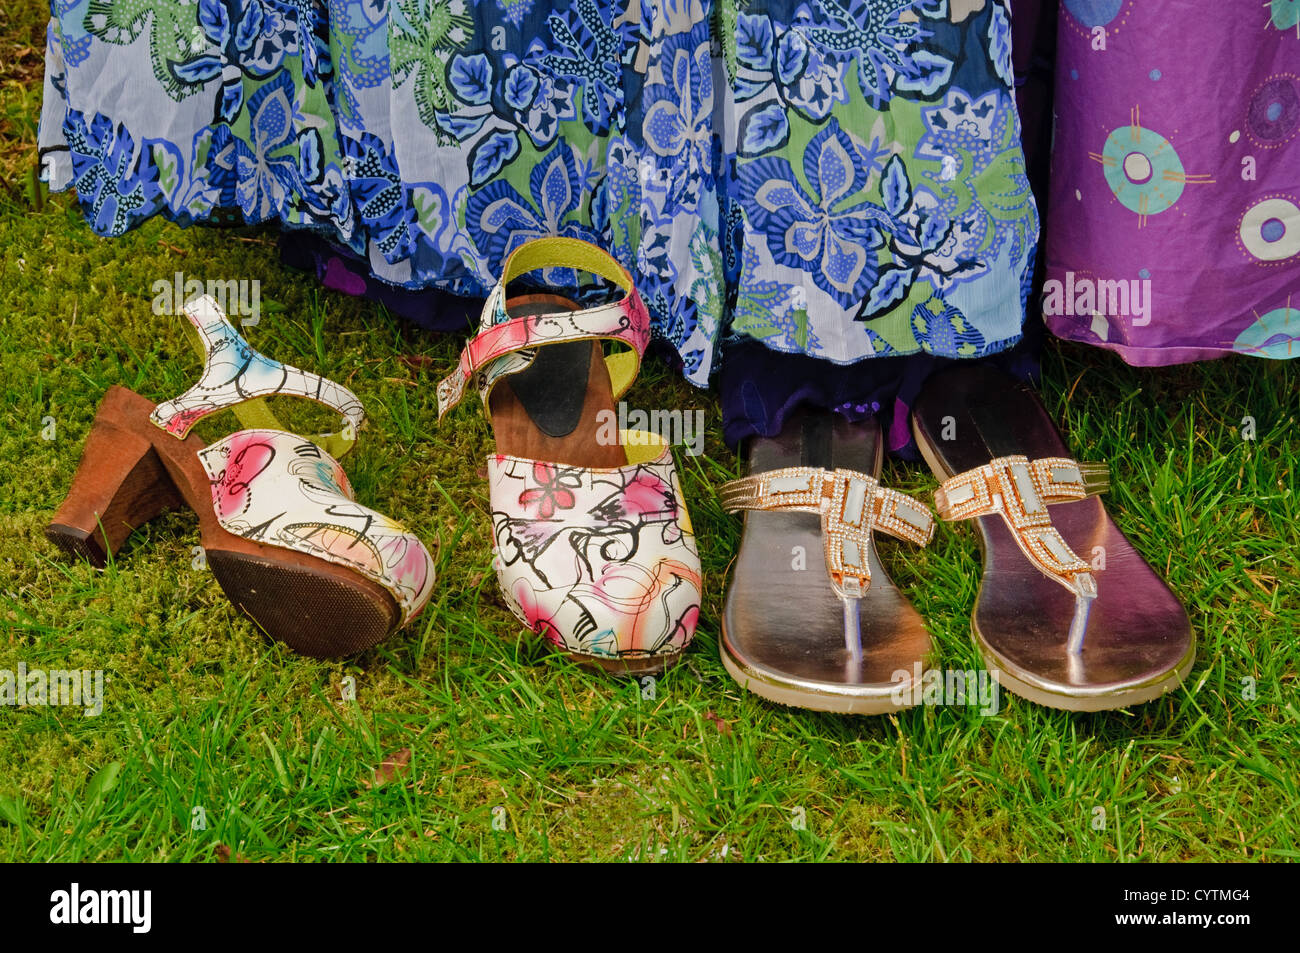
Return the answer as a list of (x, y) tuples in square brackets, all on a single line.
[(549, 392)]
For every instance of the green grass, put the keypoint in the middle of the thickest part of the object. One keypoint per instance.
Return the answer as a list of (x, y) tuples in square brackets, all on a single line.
[(203, 712)]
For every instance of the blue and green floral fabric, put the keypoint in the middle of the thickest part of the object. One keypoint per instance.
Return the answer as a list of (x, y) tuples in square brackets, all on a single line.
[(840, 178)]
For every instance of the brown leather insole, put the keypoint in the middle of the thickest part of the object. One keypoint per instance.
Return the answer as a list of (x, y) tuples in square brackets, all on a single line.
[(564, 391)]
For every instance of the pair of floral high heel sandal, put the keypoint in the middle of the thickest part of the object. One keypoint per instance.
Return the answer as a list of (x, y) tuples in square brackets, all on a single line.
[(592, 542)]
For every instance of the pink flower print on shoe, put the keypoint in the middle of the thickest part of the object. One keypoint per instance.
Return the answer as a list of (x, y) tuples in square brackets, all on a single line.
[(592, 542)]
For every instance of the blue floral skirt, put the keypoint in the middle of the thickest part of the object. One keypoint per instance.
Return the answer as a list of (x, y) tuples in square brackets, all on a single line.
[(836, 178)]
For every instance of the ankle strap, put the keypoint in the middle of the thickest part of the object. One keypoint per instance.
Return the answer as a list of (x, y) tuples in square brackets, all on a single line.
[(237, 376), (506, 345)]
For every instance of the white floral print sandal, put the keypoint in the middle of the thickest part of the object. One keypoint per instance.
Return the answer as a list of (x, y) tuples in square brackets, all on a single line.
[(278, 521), (592, 543)]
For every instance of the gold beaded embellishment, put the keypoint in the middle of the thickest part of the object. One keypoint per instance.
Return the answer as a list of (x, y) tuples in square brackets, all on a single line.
[(1021, 491), (850, 504)]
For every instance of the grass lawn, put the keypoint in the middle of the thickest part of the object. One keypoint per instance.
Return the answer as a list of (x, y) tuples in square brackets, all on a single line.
[(515, 753)]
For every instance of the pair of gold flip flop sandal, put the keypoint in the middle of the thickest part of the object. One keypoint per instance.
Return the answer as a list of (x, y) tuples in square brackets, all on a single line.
[(1068, 614)]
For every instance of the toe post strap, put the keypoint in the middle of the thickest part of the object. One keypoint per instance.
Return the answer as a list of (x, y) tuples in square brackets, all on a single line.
[(1021, 490), (851, 505)]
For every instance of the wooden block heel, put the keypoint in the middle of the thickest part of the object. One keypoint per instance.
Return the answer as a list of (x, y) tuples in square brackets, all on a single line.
[(131, 471), (120, 484)]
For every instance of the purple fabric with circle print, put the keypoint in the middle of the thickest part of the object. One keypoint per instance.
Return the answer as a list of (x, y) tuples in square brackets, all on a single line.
[(1174, 225)]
